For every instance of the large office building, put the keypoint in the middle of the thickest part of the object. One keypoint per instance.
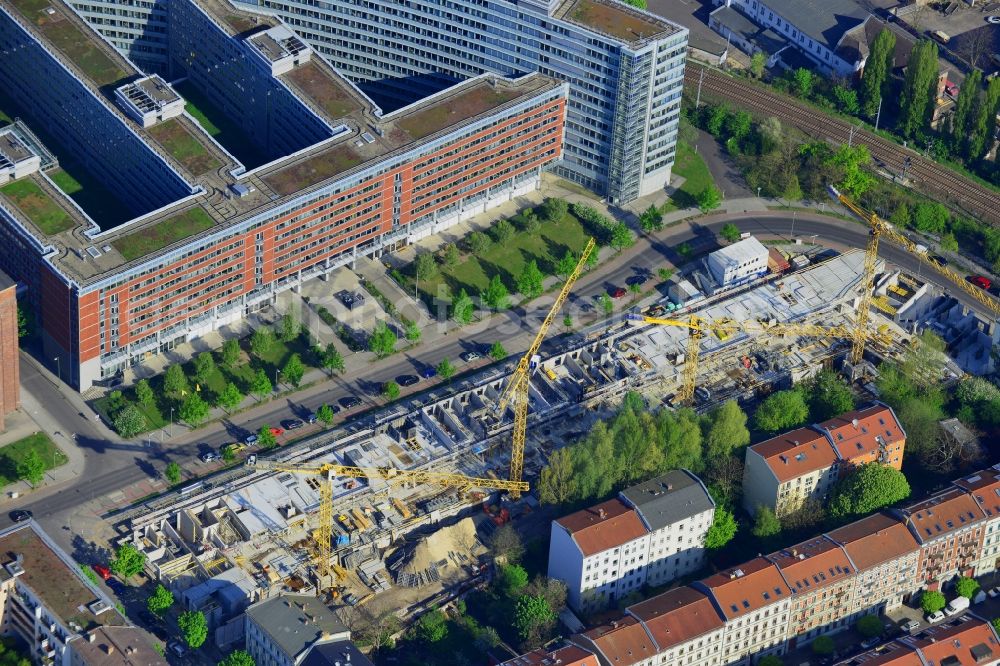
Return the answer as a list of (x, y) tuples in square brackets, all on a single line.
[(136, 225), (10, 384)]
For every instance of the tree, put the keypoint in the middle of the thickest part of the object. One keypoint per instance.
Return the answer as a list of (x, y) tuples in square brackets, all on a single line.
[(607, 305), (478, 242), (792, 191), (782, 410), (144, 393), (981, 136), (931, 601), (765, 523), (730, 232), (496, 296), (238, 658), (846, 99), (412, 332), (497, 351), (757, 63), (445, 369), (325, 414), (930, 217), (966, 587), (266, 438), (709, 199), (680, 438), (390, 390), (160, 600), (529, 282), (382, 340), (621, 236), (556, 483), (194, 628), (530, 612), (289, 328), (24, 321), (852, 161), (723, 528), (432, 626), (867, 489), (228, 454), (716, 120), (261, 342), (961, 119), (869, 626), (128, 561), (739, 124), (650, 220), (823, 646), (172, 473), (503, 232), (204, 367), (230, 353), (770, 660), (332, 359), (31, 468), (568, 321), (174, 380), (802, 78), (511, 579), (917, 96), (425, 267), (727, 430), (828, 395), (554, 209), (566, 265), (877, 69), (506, 543), (129, 422), (948, 242), (293, 370), (230, 397), (194, 410), (260, 383), (664, 273), (450, 255), (529, 222), (462, 308)]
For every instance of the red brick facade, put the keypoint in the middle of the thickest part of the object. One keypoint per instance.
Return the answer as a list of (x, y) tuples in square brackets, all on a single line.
[(10, 384)]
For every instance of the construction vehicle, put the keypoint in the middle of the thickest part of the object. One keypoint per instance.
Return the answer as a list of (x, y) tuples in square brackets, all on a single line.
[(879, 229), (329, 472), (698, 327), (516, 393)]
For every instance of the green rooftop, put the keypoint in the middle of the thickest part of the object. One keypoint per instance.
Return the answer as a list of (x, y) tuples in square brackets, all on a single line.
[(184, 147), (615, 20), (316, 169), (326, 92), (78, 46), (454, 109), (163, 233), (43, 211)]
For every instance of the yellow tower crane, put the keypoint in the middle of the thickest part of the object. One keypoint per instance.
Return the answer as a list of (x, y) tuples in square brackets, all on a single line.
[(698, 326), (880, 228), (516, 391), (328, 472)]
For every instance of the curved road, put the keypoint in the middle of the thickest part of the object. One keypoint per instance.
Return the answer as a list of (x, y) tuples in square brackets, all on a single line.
[(105, 473)]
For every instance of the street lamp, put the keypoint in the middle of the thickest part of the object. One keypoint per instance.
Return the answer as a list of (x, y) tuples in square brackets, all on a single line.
[(758, 191), (276, 373), (58, 366), (171, 421)]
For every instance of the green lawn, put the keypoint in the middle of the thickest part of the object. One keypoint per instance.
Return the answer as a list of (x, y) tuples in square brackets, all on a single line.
[(41, 209), (183, 147), (697, 177), (13, 453), (82, 51), (170, 230), (473, 273)]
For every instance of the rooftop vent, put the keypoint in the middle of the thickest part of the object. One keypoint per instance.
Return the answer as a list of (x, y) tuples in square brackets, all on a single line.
[(98, 607), (602, 514), (14, 568)]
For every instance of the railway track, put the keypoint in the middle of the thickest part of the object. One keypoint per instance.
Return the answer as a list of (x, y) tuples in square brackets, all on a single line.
[(965, 194)]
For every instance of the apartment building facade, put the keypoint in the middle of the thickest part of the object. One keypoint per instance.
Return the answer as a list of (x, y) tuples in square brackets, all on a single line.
[(965, 641), (984, 487), (684, 625), (652, 533), (10, 381), (949, 527), (786, 471)]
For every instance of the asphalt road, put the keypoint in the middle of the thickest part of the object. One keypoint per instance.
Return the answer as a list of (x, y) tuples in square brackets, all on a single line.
[(112, 466)]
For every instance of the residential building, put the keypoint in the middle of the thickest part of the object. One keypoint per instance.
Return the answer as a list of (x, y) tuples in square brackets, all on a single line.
[(885, 557), (984, 487), (684, 625), (738, 263), (949, 527), (652, 533), (755, 601), (114, 646), (565, 655), (621, 642), (786, 471), (284, 630), (624, 66), (210, 229), (10, 382), (821, 578), (337, 653), (964, 641)]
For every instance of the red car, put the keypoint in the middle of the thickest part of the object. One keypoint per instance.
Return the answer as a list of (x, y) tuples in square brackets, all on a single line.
[(102, 571), (277, 431), (618, 293), (980, 281)]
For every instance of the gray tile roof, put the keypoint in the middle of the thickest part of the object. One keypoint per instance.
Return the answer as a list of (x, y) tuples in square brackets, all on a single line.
[(765, 38), (667, 499), (825, 21), (5, 281), (295, 622)]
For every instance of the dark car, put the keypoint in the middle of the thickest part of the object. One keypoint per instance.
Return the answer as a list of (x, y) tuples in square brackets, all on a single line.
[(637, 279), (311, 417), (292, 424), (618, 292), (20, 515), (349, 401), (938, 258), (407, 380), (250, 439)]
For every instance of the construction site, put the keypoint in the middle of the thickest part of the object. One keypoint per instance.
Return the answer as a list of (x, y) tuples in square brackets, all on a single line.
[(400, 509)]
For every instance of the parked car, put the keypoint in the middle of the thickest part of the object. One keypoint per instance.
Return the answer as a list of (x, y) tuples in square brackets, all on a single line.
[(276, 431), (407, 380), (869, 643), (211, 456), (980, 281), (936, 616), (994, 592), (427, 372), (349, 401), (995, 20), (618, 292), (910, 626), (292, 424), (20, 515), (235, 448), (956, 606), (311, 417), (470, 356), (102, 571), (177, 648), (938, 258), (250, 439)]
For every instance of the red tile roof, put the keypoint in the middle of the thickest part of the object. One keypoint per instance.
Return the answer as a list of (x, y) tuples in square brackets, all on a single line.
[(796, 453), (607, 525), (677, 616), (971, 643), (623, 642), (946, 512), (812, 565), (875, 540), (568, 655), (744, 589), (899, 655), (856, 434), (985, 489)]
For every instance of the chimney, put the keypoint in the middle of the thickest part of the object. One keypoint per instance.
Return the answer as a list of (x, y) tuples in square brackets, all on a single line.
[(92, 636), (854, 422), (109, 648), (602, 514)]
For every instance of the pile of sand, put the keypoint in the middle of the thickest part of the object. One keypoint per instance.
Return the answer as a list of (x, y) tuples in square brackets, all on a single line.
[(441, 554)]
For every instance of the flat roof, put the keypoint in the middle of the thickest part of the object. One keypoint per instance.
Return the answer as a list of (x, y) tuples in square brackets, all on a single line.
[(825, 21), (615, 20)]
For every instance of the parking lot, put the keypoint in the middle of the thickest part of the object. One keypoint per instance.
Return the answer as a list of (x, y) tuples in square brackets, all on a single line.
[(971, 37)]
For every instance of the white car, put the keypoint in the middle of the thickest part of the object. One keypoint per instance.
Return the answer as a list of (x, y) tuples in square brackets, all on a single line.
[(936, 616), (995, 20), (994, 592)]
